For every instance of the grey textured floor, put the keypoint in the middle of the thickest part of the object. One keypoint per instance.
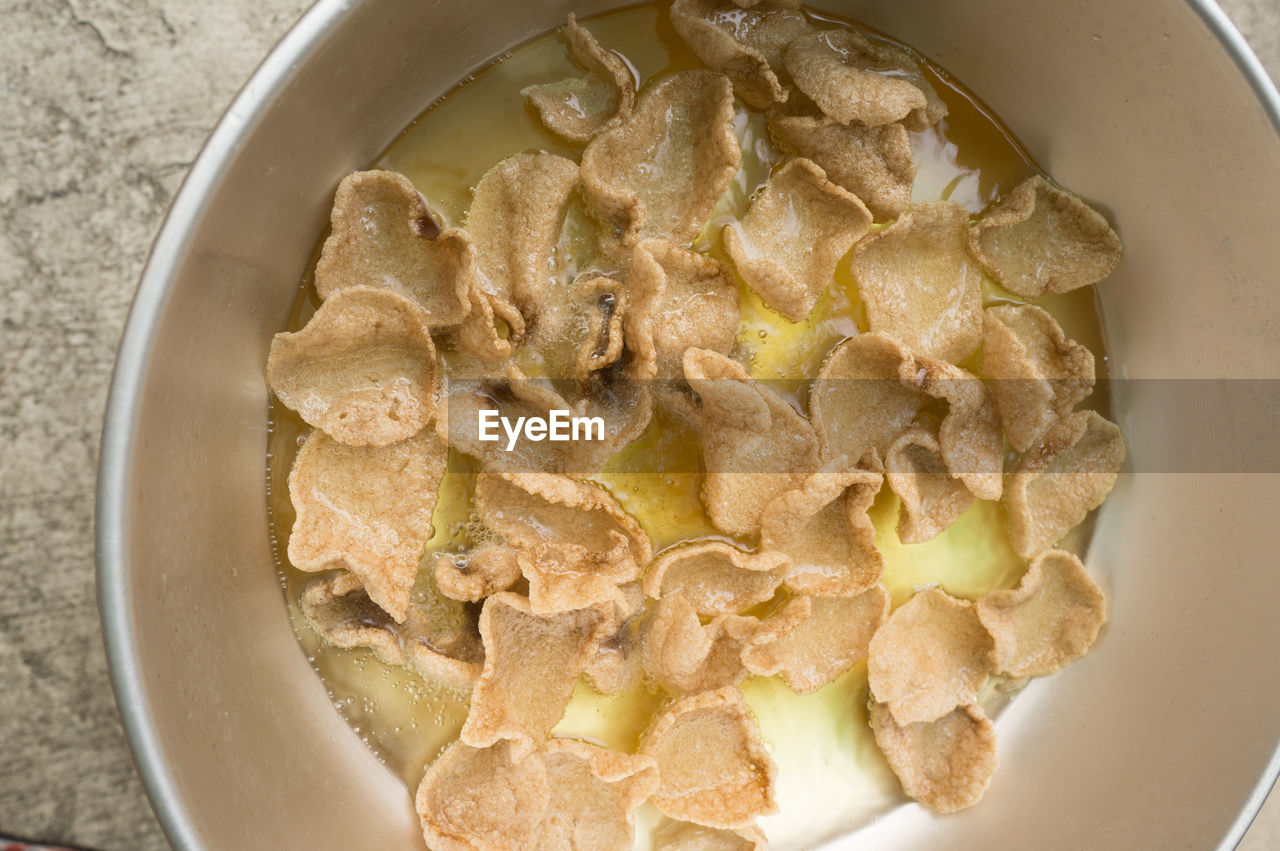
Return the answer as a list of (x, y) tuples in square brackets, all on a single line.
[(103, 106)]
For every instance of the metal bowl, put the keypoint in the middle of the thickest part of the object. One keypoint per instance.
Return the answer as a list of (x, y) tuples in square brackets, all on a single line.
[(1165, 736)]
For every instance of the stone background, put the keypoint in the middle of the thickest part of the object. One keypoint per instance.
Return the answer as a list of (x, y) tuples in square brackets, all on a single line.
[(103, 106)]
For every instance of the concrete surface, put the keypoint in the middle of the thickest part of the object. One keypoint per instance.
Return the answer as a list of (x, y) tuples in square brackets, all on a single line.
[(103, 106)]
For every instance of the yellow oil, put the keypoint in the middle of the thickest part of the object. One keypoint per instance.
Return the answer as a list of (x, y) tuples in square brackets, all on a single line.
[(831, 776)]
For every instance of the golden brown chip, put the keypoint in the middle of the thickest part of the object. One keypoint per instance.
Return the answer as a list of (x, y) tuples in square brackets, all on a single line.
[(683, 656), (823, 529), (1057, 482), (679, 299), (605, 303), (593, 796), (969, 435), (515, 220), (1037, 374), (579, 108), (931, 498), (472, 576), (745, 46), (715, 577), (531, 663), (755, 446), (852, 78), (919, 283), (712, 767), (617, 665), (1050, 619), (485, 798), (830, 640), (438, 638), (874, 163), (944, 764), (384, 236), (363, 369), (932, 655), (793, 235), (1041, 238), (367, 509), (660, 172), (687, 836)]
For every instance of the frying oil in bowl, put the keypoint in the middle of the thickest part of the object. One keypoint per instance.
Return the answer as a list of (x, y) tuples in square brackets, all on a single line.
[(831, 777)]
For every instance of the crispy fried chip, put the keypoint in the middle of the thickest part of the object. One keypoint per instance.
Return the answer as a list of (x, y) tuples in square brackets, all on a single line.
[(919, 283), (660, 172), (687, 836), (384, 236), (712, 767), (367, 509), (617, 665), (594, 794), (755, 446), (1050, 619), (1041, 238), (363, 369), (932, 655), (579, 108), (486, 798), (793, 235), (944, 764), (745, 46), (874, 163), (851, 78), (531, 663), (1057, 482), (830, 640), (823, 528), (683, 656), (471, 577), (1038, 375), (679, 299), (931, 498), (605, 304), (438, 638), (715, 577)]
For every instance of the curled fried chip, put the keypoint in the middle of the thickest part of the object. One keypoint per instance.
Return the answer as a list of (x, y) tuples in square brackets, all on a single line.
[(944, 764), (830, 640), (521, 694), (930, 497), (384, 236), (679, 300), (919, 283), (515, 220), (363, 369), (932, 655), (660, 172), (969, 435), (755, 446), (716, 578), (747, 47), (687, 836), (1041, 238), (438, 638), (1037, 374), (852, 78), (594, 792), (1050, 619), (793, 235), (579, 108), (475, 798), (1057, 482), (713, 769), (617, 665), (823, 529), (683, 656), (874, 163), (606, 304), (471, 577), (368, 509)]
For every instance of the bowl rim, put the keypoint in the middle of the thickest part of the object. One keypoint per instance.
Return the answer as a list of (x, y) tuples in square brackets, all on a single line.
[(111, 514)]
